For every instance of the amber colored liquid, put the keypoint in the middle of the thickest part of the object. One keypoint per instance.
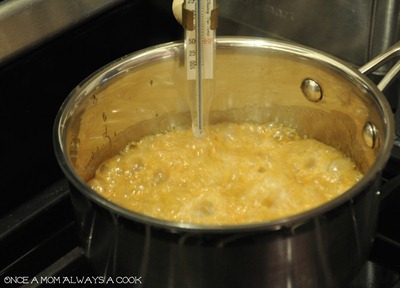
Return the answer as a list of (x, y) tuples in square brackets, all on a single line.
[(235, 174)]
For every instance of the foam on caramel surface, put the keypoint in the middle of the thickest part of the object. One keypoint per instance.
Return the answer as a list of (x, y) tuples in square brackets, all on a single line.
[(235, 174)]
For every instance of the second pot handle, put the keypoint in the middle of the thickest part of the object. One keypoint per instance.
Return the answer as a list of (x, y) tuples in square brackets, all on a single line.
[(380, 60)]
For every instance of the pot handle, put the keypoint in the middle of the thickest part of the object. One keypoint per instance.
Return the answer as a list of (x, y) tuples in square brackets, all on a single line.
[(380, 60)]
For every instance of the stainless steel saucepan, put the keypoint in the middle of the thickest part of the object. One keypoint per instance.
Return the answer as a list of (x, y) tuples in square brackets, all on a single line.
[(257, 80)]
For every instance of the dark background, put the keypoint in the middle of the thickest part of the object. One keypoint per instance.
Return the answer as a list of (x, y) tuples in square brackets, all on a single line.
[(33, 86)]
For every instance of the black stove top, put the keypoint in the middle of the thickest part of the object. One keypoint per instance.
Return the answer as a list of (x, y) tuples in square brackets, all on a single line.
[(38, 243)]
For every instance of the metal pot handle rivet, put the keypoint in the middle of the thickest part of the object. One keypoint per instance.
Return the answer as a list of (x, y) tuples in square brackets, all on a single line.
[(311, 90), (371, 135)]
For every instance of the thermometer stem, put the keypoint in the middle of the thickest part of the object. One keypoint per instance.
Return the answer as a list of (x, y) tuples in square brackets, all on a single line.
[(200, 64), (200, 23)]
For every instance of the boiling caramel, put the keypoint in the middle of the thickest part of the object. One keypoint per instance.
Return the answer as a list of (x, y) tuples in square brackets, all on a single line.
[(236, 174)]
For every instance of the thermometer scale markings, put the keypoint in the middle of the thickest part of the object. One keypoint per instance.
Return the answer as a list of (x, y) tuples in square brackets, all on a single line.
[(200, 22), (200, 41)]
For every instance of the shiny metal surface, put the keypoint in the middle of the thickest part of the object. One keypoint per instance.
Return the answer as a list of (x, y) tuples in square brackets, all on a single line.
[(392, 53), (145, 93), (311, 90), (354, 31), (25, 23), (324, 251), (371, 135)]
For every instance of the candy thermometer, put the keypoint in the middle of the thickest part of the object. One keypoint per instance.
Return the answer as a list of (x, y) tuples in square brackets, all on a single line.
[(200, 20)]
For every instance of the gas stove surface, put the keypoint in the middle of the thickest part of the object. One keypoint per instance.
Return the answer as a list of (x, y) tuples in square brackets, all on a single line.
[(39, 245)]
